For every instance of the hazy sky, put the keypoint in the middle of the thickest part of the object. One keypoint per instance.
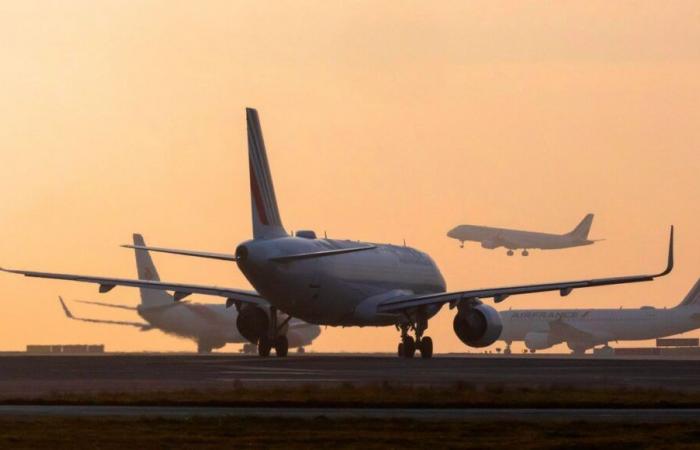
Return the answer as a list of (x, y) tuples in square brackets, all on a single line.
[(383, 121)]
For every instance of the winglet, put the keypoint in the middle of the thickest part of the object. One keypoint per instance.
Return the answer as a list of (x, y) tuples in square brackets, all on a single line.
[(65, 308), (669, 265)]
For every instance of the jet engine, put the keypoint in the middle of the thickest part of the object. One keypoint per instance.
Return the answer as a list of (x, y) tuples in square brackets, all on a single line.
[(477, 324), (537, 340), (252, 322)]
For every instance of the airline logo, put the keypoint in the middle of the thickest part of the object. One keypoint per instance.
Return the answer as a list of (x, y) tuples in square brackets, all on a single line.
[(549, 315)]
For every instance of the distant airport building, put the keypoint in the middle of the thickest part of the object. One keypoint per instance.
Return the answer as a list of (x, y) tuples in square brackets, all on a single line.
[(74, 349)]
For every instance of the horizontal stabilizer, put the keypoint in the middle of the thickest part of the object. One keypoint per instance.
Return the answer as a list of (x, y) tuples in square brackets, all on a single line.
[(298, 256), (176, 251)]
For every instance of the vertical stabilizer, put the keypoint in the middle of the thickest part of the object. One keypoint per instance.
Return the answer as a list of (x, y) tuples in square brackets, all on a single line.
[(693, 296), (267, 223), (146, 270), (582, 229)]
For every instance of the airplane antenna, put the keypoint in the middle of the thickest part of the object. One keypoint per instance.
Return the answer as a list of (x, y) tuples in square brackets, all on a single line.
[(325, 235), (404, 242)]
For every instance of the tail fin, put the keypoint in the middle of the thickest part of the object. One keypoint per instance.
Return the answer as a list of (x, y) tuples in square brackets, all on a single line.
[(266, 217), (693, 296), (582, 229), (147, 271)]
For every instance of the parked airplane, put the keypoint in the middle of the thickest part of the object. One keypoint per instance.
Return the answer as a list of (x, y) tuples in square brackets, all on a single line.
[(339, 282), (491, 237), (211, 326), (582, 329)]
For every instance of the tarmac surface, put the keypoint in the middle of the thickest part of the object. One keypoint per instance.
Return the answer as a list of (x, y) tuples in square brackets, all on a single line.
[(433, 414), (25, 376)]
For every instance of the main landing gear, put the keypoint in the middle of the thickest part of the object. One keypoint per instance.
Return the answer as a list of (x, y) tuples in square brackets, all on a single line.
[(510, 253), (525, 253), (408, 346), (273, 339)]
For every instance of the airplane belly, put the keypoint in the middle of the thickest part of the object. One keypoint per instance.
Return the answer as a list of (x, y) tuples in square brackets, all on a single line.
[(327, 291)]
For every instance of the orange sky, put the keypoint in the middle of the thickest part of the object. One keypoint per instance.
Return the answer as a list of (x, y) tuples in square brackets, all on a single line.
[(383, 121)]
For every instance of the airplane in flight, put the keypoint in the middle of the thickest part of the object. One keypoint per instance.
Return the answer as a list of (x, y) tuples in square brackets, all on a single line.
[(491, 237), (583, 329), (339, 282), (211, 326)]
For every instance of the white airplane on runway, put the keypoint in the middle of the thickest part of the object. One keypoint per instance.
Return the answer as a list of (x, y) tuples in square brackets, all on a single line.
[(491, 237), (339, 282), (211, 326), (582, 329)]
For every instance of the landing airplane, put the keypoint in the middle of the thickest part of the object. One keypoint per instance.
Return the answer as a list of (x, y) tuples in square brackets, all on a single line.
[(491, 237), (339, 282), (582, 329), (211, 326)]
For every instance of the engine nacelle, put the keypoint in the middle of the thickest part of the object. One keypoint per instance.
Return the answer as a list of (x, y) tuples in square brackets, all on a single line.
[(537, 340), (252, 322), (489, 244), (477, 325)]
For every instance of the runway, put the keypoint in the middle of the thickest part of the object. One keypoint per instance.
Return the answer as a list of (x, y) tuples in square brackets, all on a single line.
[(29, 376), (626, 415)]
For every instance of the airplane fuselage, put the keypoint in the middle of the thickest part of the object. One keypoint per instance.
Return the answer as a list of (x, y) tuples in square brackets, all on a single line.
[(491, 237), (585, 328), (212, 325), (341, 289)]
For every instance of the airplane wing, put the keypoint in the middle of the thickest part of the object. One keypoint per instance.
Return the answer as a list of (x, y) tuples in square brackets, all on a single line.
[(108, 305), (180, 290), (143, 326), (133, 308), (499, 294)]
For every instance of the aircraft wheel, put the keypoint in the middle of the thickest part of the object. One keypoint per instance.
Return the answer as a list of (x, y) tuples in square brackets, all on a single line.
[(400, 350), (281, 346), (426, 347), (525, 253), (409, 347), (510, 253), (264, 346), (507, 351)]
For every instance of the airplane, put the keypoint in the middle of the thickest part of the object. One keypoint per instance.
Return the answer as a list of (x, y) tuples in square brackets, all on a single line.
[(211, 326), (582, 329), (491, 237), (339, 282)]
